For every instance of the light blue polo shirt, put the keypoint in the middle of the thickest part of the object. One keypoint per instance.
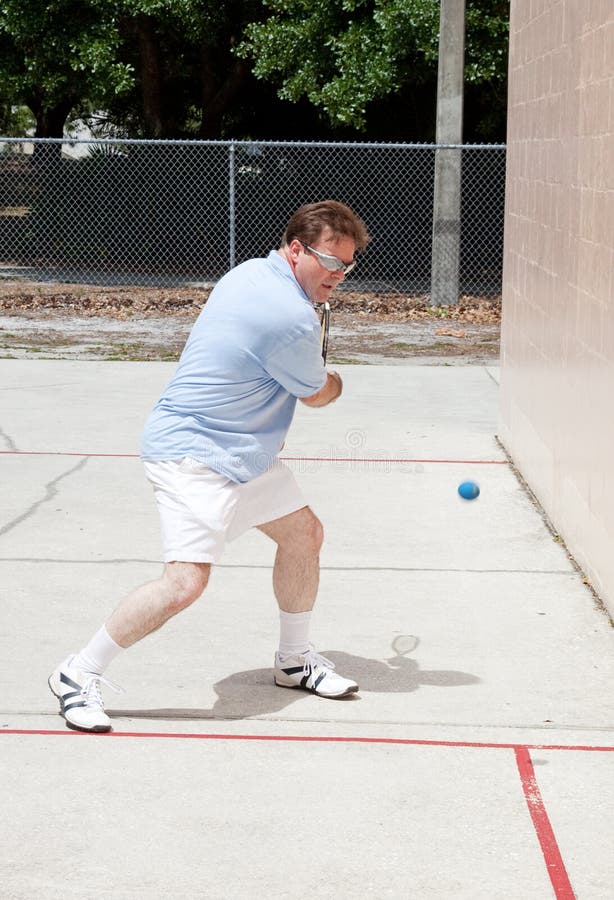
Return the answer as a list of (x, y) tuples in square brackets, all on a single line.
[(253, 350)]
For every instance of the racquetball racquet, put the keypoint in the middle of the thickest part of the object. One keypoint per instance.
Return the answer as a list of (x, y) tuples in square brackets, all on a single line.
[(324, 326)]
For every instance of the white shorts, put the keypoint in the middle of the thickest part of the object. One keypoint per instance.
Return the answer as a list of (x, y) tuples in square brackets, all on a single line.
[(200, 509)]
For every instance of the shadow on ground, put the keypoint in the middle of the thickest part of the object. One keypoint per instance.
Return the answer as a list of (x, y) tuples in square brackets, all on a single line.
[(253, 693)]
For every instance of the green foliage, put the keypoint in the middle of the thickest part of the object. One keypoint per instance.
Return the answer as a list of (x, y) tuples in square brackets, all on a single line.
[(15, 121), (344, 54), (187, 79), (56, 53), (487, 30), (74, 53), (177, 68)]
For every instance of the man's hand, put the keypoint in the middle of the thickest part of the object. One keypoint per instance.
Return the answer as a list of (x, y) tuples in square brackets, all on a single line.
[(327, 394)]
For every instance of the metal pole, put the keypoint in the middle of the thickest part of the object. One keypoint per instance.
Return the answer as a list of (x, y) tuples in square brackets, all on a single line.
[(447, 189), (231, 204)]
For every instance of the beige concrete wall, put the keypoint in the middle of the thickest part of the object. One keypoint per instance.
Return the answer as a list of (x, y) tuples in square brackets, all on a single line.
[(557, 359)]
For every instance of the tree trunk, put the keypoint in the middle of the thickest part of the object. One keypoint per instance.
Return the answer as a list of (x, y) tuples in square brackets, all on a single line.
[(50, 123), (218, 93), (151, 76)]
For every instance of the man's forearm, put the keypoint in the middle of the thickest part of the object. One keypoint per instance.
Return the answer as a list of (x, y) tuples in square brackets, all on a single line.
[(327, 394)]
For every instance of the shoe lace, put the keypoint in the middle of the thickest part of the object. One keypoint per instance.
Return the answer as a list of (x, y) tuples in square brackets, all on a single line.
[(313, 660), (90, 689)]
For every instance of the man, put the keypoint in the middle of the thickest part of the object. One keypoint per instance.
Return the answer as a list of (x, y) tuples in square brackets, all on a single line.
[(210, 451)]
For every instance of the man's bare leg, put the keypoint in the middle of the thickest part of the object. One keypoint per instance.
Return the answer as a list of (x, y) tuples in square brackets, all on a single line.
[(296, 573), (76, 681), (151, 605)]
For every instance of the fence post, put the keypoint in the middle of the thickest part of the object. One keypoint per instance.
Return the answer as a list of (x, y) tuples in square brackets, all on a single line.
[(231, 205), (447, 188)]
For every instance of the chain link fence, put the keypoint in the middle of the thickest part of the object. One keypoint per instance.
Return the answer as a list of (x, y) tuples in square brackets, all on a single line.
[(172, 213)]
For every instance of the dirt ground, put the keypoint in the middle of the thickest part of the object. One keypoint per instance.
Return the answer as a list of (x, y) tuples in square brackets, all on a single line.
[(60, 321)]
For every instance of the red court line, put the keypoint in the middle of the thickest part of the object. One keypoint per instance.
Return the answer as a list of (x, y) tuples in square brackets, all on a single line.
[(539, 816), (547, 840), (304, 738), (353, 459)]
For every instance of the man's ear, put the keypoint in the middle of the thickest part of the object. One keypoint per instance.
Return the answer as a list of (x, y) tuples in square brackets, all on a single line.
[(295, 248)]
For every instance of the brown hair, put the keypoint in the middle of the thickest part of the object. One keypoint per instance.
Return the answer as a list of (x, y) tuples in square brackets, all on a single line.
[(308, 223)]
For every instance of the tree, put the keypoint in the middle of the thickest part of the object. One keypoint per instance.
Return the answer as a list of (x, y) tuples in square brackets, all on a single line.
[(54, 55), (164, 67), (14, 120), (189, 68), (345, 55), (187, 78)]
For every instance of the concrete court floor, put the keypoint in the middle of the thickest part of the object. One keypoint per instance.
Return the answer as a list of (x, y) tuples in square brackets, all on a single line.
[(476, 761)]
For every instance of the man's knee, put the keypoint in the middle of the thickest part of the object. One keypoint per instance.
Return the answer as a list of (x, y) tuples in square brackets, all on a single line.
[(315, 533), (186, 583), (309, 535), (300, 532)]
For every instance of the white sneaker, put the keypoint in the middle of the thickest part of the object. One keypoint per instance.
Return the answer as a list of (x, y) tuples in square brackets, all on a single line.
[(312, 672), (80, 698)]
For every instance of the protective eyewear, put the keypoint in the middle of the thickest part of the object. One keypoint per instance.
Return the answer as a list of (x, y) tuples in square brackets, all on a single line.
[(330, 263)]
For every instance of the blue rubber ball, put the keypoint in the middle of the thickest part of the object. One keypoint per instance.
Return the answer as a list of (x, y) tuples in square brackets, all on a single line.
[(469, 490)]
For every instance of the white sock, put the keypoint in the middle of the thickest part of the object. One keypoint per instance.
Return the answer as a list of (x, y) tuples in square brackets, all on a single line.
[(293, 633), (100, 651)]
